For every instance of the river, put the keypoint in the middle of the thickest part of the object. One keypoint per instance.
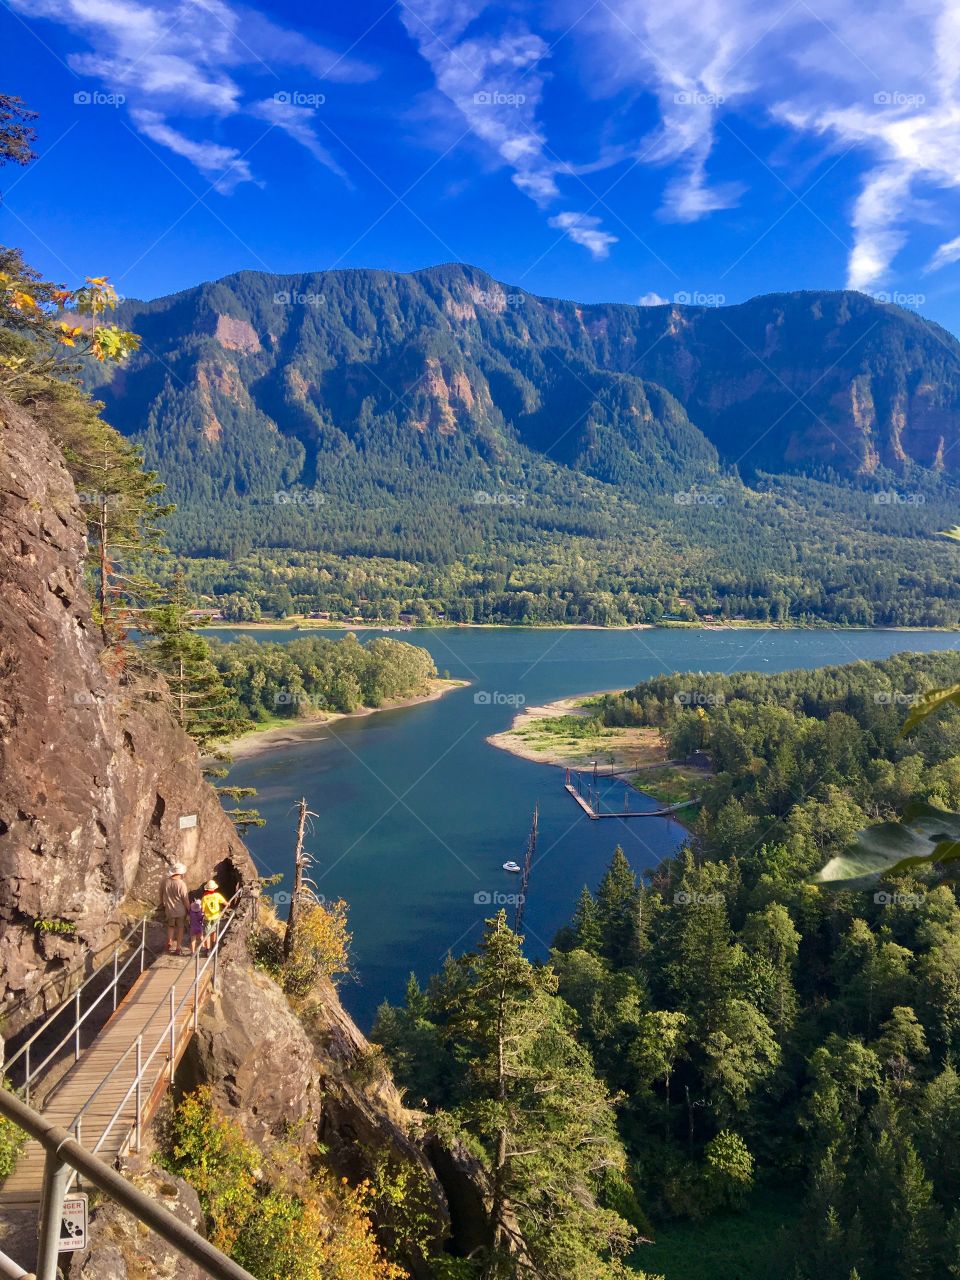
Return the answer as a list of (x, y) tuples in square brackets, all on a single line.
[(417, 812)]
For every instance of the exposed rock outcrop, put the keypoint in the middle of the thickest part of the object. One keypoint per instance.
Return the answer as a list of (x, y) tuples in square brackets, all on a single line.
[(120, 1248), (313, 1077), (100, 790)]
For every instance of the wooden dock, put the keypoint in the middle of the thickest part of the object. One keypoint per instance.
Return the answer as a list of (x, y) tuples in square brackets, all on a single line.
[(144, 1010), (594, 814)]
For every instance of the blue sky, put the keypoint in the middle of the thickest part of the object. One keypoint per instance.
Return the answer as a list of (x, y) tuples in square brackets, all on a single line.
[(603, 149)]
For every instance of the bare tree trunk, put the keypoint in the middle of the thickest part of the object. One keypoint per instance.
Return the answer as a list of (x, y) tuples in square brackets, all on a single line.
[(499, 1233), (288, 936), (104, 569)]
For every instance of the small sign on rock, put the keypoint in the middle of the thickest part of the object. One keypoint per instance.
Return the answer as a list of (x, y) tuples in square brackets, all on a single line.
[(73, 1224)]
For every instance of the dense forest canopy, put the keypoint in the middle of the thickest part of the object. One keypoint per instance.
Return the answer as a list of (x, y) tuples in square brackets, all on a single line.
[(309, 675)]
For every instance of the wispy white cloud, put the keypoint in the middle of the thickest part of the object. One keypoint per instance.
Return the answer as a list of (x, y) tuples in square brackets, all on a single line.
[(945, 255), (584, 229), (295, 121), (495, 79), (651, 300), (883, 85), (224, 166), (179, 63)]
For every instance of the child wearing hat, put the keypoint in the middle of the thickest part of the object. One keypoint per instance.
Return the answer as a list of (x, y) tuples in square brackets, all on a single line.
[(195, 916), (212, 904)]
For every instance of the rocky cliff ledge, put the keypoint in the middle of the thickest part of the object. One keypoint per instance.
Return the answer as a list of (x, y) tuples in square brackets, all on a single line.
[(100, 790)]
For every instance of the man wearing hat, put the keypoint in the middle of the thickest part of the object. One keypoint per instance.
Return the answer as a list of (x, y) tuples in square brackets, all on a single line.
[(176, 903)]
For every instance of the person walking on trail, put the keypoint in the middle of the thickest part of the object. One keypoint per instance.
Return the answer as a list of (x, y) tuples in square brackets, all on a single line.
[(212, 903), (175, 903)]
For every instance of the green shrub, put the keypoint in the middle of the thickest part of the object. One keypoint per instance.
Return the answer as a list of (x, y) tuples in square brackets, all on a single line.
[(12, 1140)]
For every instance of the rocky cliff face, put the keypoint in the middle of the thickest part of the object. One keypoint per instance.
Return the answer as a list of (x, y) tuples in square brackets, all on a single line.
[(100, 790)]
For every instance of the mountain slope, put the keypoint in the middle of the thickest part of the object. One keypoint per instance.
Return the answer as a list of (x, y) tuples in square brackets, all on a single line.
[(390, 437), (803, 379)]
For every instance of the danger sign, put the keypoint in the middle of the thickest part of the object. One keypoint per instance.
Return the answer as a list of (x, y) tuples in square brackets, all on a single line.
[(73, 1224)]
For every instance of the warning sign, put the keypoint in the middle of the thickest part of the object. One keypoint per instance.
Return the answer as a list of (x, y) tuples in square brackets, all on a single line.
[(73, 1224)]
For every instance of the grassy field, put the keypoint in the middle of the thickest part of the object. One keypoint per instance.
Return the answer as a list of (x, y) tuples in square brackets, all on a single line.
[(672, 784), (752, 1245)]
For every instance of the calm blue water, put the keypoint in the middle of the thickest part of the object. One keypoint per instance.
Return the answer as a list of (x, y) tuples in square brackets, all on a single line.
[(417, 812)]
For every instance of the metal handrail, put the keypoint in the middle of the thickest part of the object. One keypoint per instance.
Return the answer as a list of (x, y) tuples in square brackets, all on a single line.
[(24, 1050), (12, 1270), (168, 1034), (63, 1153)]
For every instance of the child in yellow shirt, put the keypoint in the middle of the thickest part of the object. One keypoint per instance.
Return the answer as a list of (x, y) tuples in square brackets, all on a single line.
[(212, 903)]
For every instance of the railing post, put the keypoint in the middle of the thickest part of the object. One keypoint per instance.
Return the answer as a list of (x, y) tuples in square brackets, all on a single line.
[(196, 988), (116, 957), (76, 1037), (143, 942), (173, 1031), (55, 1174), (26, 1091), (216, 954), (138, 1078)]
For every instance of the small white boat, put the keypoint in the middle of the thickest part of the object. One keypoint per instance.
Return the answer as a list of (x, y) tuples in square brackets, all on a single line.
[(511, 866)]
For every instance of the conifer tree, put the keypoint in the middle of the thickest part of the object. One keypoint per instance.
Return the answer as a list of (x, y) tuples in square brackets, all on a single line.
[(202, 704), (619, 905), (587, 934), (529, 1099)]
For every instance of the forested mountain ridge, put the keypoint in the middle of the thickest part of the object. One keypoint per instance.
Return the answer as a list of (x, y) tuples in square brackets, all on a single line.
[(803, 379), (367, 442)]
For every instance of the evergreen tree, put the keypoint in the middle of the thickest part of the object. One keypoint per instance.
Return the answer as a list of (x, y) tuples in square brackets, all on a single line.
[(587, 929), (203, 705), (619, 907)]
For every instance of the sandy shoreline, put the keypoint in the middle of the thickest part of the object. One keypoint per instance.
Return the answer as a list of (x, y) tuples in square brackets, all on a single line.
[(305, 730), (307, 625)]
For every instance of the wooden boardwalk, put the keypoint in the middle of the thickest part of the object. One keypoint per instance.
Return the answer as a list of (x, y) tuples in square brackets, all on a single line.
[(593, 814), (145, 1010)]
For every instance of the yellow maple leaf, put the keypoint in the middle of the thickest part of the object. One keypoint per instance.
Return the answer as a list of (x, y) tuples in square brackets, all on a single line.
[(20, 300)]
